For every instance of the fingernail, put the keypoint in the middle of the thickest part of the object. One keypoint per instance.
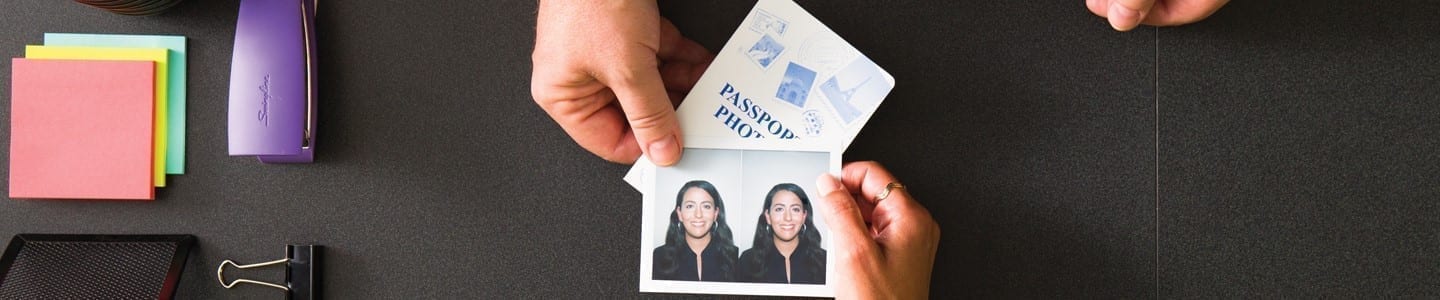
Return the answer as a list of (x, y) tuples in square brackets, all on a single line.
[(664, 152), (827, 184), (1123, 18)]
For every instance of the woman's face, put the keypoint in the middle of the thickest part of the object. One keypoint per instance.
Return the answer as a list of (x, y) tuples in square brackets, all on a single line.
[(697, 213), (786, 215)]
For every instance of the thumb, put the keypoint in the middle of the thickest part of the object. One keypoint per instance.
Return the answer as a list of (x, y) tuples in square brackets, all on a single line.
[(1125, 15), (843, 215), (647, 107)]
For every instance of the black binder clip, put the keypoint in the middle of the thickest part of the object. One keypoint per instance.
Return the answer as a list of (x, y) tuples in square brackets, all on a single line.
[(302, 272)]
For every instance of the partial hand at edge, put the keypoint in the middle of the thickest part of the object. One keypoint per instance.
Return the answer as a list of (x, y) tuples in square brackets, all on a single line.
[(611, 73), (1125, 15), (885, 249)]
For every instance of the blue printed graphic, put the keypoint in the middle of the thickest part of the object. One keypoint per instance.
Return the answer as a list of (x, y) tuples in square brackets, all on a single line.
[(795, 88), (767, 23), (855, 89), (765, 51), (814, 125)]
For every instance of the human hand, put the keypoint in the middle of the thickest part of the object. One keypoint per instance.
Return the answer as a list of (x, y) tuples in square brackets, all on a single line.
[(611, 73), (884, 248), (1125, 15)]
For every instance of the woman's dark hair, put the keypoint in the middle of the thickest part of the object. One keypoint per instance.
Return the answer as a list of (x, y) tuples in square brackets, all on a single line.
[(765, 241), (667, 257)]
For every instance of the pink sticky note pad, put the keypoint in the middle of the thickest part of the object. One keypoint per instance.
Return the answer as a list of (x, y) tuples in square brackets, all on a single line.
[(81, 129)]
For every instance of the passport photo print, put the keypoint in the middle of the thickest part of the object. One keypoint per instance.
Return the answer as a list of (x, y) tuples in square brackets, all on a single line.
[(705, 221)]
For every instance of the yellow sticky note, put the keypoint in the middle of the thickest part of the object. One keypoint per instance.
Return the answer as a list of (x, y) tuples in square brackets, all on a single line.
[(158, 55)]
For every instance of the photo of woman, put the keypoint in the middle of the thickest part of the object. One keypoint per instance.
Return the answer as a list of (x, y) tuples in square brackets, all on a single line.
[(786, 248), (690, 247), (698, 243)]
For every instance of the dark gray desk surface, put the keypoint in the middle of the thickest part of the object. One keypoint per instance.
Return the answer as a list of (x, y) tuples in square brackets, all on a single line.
[(1278, 148)]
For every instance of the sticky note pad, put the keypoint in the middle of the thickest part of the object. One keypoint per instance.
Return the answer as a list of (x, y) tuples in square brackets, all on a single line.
[(157, 55), (82, 129), (175, 85)]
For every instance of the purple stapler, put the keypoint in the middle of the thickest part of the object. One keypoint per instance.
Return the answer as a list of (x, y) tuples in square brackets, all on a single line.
[(272, 81)]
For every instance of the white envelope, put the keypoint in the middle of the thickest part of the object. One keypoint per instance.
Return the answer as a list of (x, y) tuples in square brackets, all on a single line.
[(782, 78)]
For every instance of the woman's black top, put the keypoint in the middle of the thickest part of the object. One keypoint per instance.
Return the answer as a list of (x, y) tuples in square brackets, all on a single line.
[(682, 261), (806, 266)]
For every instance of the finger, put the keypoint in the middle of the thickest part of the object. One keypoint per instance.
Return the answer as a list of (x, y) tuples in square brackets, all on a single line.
[(900, 224), (867, 209), (676, 48), (1098, 7), (1125, 15), (594, 121), (871, 179), (868, 178), (841, 212), (647, 107), (866, 204), (1171, 13), (854, 250)]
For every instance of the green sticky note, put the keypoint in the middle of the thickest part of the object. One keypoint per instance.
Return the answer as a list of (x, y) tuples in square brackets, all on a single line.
[(175, 94)]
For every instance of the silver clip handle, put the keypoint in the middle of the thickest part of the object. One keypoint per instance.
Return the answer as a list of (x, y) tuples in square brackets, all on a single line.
[(220, 274)]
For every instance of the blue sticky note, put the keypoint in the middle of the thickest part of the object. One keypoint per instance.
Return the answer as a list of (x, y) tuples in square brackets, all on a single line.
[(175, 148)]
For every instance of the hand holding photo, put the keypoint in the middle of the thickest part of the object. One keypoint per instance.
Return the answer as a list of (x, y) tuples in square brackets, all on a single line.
[(748, 157)]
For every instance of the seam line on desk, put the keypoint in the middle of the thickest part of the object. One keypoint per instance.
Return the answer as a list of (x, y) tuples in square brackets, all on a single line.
[(1157, 163)]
